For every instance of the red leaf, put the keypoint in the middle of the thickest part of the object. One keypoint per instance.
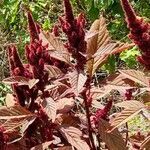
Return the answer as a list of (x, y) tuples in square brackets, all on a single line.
[(113, 140), (77, 81), (21, 81), (145, 144), (65, 104), (136, 76), (42, 146), (74, 137), (49, 106), (56, 47), (53, 71), (10, 100), (131, 109), (14, 117)]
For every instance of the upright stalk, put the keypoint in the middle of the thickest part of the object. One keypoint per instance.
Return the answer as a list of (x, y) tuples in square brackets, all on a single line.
[(87, 101), (89, 124)]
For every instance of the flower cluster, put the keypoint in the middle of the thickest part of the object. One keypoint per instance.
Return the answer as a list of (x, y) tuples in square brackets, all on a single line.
[(139, 33), (128, 94), (35, 69), (18, 69), (33, 28), (102, 113), (37, 56), (56, 30), (74, 29)]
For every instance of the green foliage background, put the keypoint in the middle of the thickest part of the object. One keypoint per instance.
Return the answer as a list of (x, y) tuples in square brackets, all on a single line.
[(13, 20)]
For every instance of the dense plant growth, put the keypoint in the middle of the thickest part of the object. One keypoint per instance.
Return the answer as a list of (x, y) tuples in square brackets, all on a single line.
[(57, 102), (13, 23)]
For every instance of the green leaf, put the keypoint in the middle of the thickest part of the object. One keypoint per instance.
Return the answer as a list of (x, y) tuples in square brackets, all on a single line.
[(47, 24), (93, 12), (129, 57), (110, 65)]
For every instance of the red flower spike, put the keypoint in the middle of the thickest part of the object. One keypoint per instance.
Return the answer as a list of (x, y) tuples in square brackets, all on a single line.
[(37, 56), (68, 12), (56, 30), (17, 71), (129, 11), (39, 50), (14, 60), (35, 72), (33, 46), (27, 52), (31, 58), (103, 113), (41, 63), (38, 27), (128, 94), (139, 33), (33, 29), (73, 28), (10, 59), (66, 27)]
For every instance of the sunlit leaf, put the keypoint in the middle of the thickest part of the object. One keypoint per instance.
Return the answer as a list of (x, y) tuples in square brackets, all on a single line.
[(100, 46), (56, 47), (42, 146), (17, 79), (130, 104), (27, 123), (77, 81), (136, 76), (15, 116), (101, 55), (97, 41), (23, 123), (65, 104), (49, 106), (21, 81), (145, 144), (122, 47), (101, 39), (98, 93), (120, 81), (32, 83), (74, 137), (128, 113), (97, 104), (68, 120), (90, 34), (10, 100), (54, 42), (66, 148), (114, 139), (14, 112), (53, 71)]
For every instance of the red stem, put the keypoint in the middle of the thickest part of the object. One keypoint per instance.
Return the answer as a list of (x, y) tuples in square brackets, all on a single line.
[(89, 124), (127, 133), (86, 97)]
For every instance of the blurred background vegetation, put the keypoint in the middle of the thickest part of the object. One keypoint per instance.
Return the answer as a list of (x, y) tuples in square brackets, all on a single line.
[(13, 24)]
